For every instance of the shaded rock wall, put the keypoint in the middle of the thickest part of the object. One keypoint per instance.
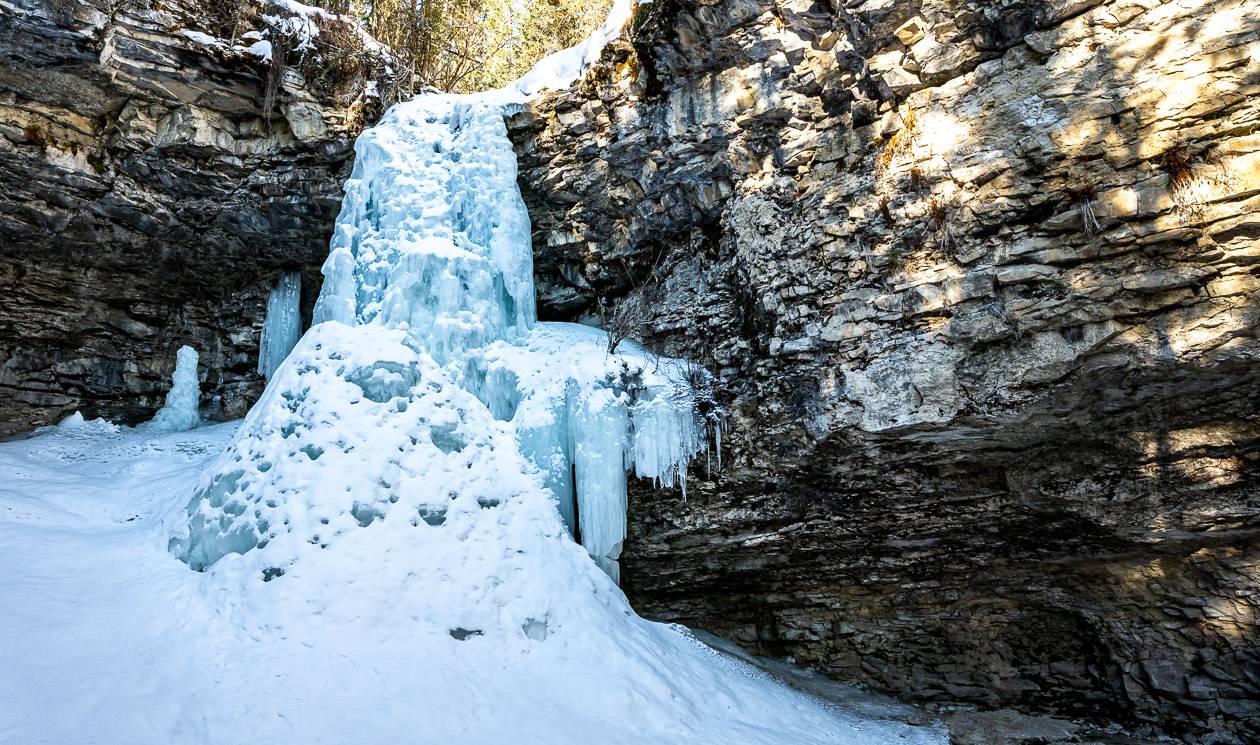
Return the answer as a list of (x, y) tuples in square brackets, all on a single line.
[(147, 201), (982, 284)]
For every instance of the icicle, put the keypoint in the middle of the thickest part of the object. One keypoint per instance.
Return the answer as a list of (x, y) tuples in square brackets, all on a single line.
[(708, 460), (283, 324), (717, 436), (600, 426), (179, 413), (667, 432), (548, 445)]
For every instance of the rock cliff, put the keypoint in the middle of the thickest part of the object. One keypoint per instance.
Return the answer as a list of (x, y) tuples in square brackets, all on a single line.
[(157, 177), (981, 282)]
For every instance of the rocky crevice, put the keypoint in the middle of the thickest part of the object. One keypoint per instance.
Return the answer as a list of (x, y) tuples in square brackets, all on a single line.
[(980, 283)]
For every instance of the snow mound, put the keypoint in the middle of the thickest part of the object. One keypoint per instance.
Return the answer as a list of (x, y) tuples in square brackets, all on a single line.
[(77, 423), (361, 448), (360, 428)]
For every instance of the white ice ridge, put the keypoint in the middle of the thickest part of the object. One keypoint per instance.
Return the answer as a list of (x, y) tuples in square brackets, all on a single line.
[(179, 413), (283, 324)]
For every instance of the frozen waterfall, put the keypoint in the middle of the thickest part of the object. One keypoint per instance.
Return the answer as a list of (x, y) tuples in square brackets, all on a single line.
[(180, 412), (283, 324), (432, 252)]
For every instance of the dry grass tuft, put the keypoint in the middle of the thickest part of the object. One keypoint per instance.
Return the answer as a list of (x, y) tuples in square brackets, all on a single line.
[(1083, 196), (900, 142), (886, 210), (1192, 187), (937, 212), (918, 179)]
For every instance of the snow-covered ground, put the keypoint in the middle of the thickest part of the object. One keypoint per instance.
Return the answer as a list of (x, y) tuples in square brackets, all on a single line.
[(105, 637)]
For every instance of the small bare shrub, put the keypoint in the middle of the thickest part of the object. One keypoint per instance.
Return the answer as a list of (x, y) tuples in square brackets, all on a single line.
[(1083, 196), (1192, 186)]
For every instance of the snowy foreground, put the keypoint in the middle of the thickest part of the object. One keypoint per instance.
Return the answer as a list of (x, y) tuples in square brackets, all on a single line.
[(108, 638)]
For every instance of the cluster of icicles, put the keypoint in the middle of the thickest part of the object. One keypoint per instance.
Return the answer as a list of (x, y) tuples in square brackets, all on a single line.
[(430, 285)]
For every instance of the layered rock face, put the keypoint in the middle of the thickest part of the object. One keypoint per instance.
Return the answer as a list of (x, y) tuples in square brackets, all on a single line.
[(981, 282), (152, 194)]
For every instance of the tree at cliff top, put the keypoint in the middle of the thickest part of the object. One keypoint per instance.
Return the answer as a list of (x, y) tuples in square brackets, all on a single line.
[(471, 45)]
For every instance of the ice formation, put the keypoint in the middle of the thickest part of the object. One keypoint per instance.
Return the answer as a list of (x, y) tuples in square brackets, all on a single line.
[(76, 422), (179, 413), (433, 245), (583, 417), (283, 324)]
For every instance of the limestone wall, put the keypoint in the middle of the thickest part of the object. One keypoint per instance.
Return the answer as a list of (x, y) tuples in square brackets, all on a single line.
[(981, 284)]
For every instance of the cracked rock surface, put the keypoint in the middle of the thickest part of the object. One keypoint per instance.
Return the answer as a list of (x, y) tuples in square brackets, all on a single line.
[(981, 282)]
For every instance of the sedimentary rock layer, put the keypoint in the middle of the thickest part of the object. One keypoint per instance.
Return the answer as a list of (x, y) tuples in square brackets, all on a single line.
[(150, 194)]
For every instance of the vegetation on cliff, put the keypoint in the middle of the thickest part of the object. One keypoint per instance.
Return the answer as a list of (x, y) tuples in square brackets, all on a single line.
[(452, 45)]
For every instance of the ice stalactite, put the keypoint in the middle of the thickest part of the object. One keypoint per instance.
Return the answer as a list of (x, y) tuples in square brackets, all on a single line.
[(585, 418), (179, 413), (283, 324)]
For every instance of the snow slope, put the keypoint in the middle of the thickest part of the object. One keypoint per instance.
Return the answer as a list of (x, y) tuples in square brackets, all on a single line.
[(107, 638)]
